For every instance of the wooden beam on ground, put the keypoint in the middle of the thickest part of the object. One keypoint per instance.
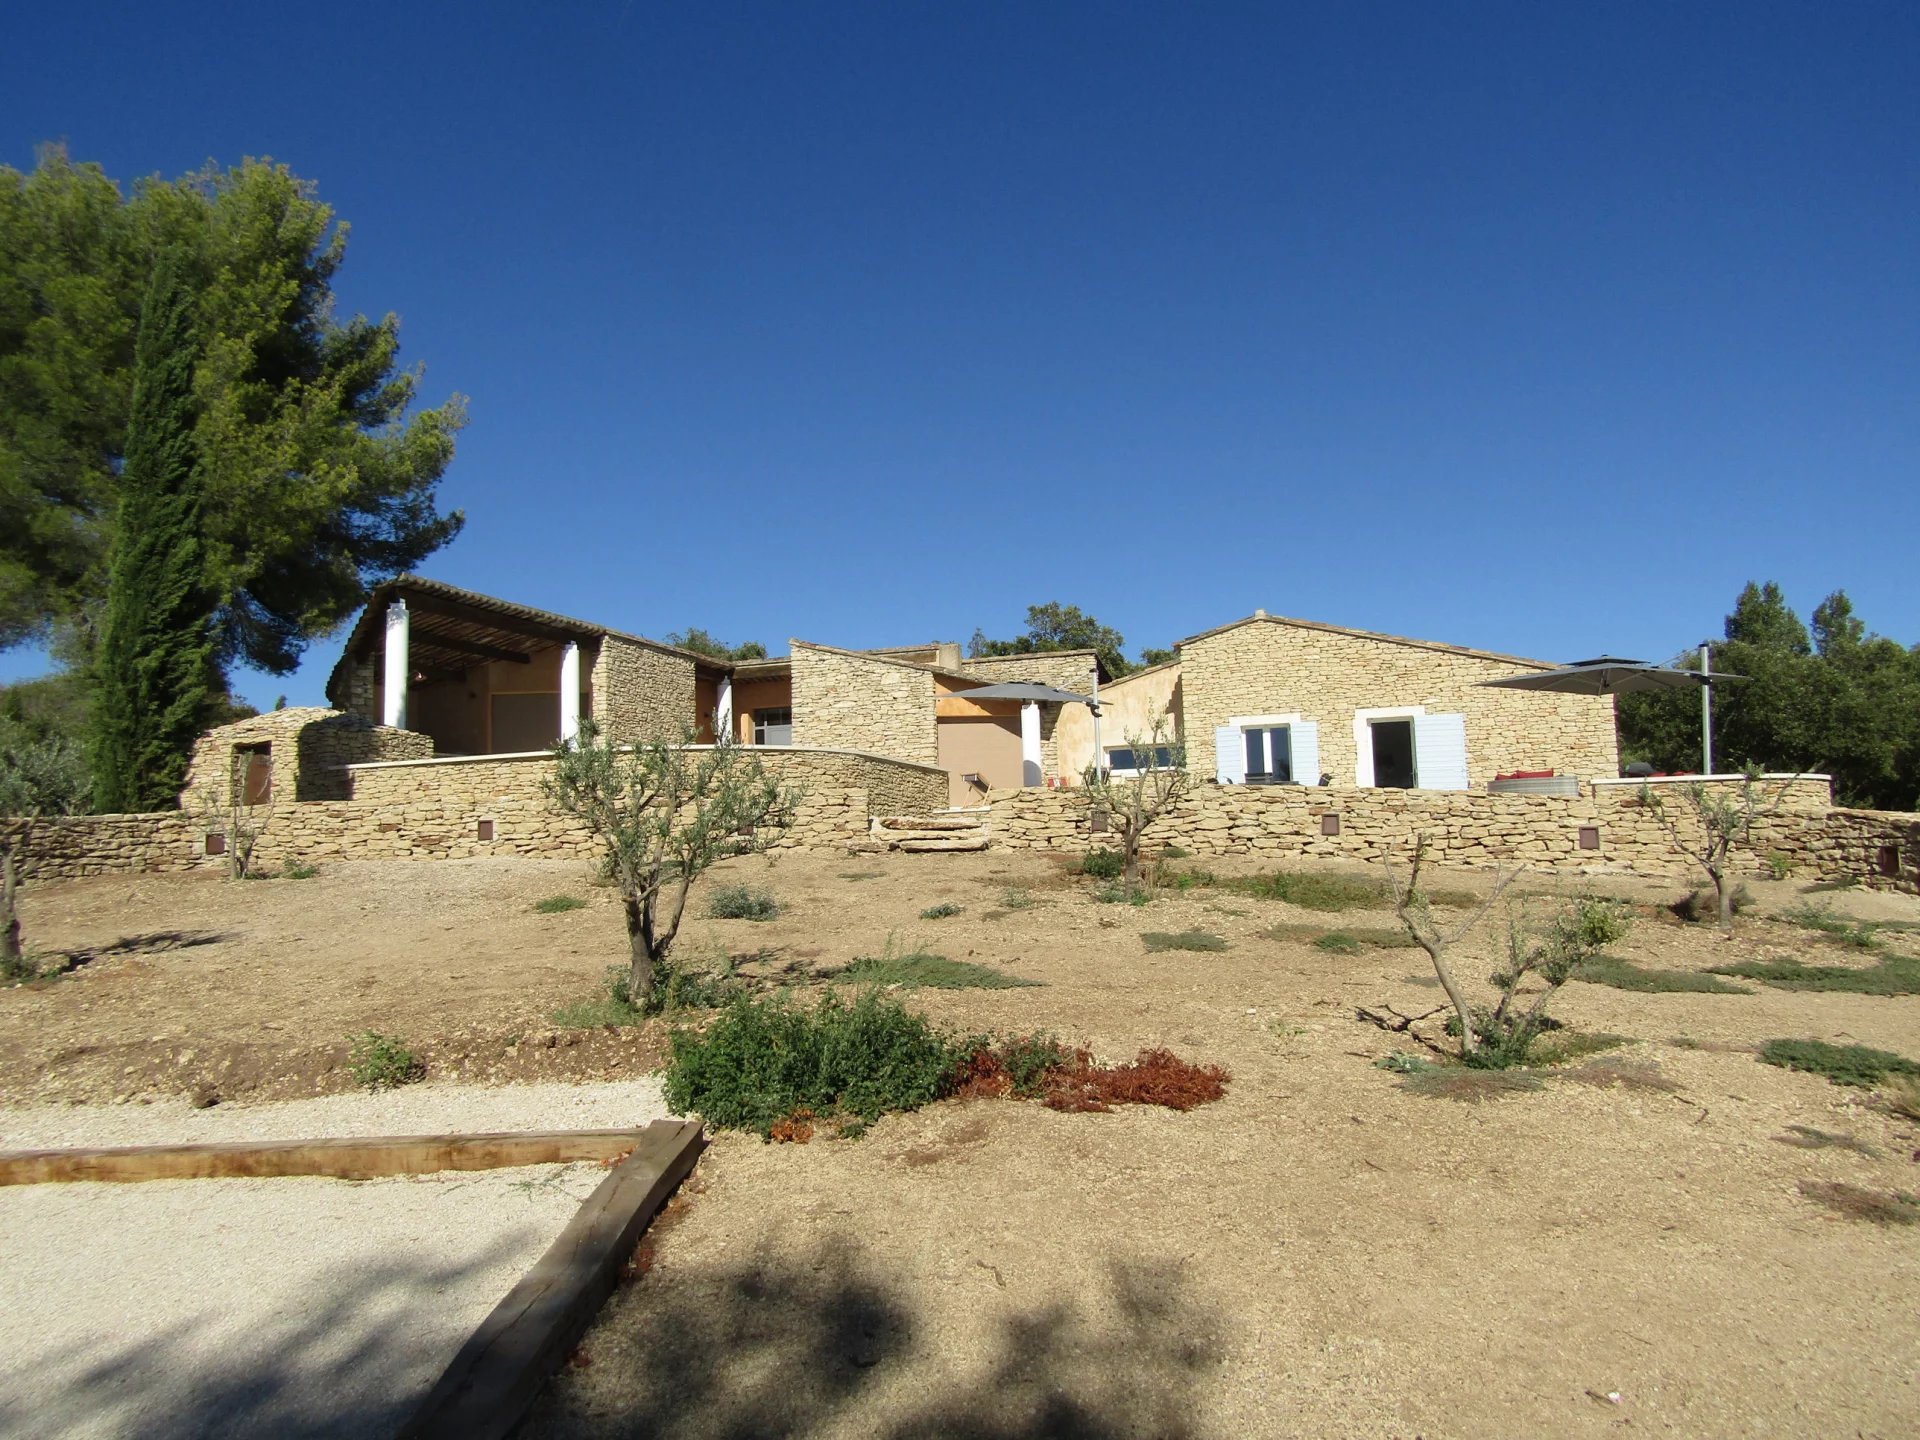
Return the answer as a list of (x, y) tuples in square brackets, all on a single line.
[(492, 1382), (345, 1159)]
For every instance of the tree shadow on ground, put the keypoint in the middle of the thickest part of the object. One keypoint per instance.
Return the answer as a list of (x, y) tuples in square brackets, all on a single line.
[(352, 1366), (152, 943), (820, 1340)]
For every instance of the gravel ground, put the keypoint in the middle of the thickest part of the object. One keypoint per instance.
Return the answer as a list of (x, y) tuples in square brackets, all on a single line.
[(413, 1110), (300, 1308)]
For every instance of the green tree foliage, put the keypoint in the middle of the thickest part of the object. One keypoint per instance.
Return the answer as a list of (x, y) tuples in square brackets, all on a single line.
[(1054, 626), (1835, 698), (1153, 656), (42, 772), (701, 643), (316, 482), (151, 669)]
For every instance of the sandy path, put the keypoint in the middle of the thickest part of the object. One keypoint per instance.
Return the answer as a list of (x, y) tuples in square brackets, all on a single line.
[(293, 1308)]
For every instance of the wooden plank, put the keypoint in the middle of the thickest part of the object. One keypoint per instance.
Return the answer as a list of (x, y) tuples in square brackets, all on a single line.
[(362, 1158), (492, 1382)]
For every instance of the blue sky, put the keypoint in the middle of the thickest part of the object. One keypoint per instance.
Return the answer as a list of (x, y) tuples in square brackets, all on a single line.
[(1538, 328)]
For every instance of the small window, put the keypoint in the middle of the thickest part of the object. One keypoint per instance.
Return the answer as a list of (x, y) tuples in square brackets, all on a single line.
[(1122, 760), (773, 727), (1269, 755)]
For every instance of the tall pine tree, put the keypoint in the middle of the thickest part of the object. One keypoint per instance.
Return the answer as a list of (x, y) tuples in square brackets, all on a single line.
[(156, 641)]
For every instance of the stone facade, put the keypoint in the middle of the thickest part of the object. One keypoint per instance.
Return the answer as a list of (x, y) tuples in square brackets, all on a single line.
[(642, 693), (842, 699), (311, 750), (1608, 830), (1269, 666), (1063, 669)]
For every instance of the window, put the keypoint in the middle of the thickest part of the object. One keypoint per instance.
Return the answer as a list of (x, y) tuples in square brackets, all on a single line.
[(773, 727), (1122, 761), (1269, 754)]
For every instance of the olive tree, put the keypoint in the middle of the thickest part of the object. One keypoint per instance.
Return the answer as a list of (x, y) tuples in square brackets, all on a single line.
[(1721, 820), (663, 813), (1132, 803)]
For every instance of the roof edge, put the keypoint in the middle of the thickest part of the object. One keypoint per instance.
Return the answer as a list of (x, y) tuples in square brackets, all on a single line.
[(1440, 646)]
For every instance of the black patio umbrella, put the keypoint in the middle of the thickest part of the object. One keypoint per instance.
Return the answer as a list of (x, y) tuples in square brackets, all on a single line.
[(1610, 675), (1607, 675)]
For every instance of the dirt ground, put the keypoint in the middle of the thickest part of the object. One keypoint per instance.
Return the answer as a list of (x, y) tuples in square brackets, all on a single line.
[(1320, 1253)]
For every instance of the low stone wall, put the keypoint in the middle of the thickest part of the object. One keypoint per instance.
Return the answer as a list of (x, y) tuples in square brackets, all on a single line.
[(1607, 831), (64, 846), (311, 750), (444, 809)]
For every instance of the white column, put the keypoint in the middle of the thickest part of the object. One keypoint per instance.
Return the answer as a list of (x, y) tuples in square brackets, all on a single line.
[(570, 691), (398, 667), (1030, 742), (723, 712)]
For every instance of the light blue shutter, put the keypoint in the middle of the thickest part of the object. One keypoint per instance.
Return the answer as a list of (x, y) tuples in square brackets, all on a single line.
[(1229, 755), (1440, 751), (1305, 738)]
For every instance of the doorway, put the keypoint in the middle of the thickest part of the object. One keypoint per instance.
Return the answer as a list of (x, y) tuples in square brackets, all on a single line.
[(1393, 762)]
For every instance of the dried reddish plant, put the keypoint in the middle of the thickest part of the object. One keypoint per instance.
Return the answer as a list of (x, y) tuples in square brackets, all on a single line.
[(1153, 1077), (796, 1128)]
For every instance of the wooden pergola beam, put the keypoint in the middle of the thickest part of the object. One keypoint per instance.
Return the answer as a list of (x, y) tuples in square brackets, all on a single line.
[(424, 639)]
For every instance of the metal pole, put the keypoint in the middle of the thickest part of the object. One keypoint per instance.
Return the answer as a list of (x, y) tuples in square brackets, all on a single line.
[(1706, 709), (1099, 755)]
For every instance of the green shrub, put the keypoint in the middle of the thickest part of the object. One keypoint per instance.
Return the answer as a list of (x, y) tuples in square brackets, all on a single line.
[(299, 870), (1859, 934), (380, 1062), (763, 1059), (1028, 1059), (558, 904), (1369, 937), (1402, 1063), (1119, 894), (1779, 864), (921, 968), (1894, 975), (1158, 940), (1017, 897), (1855, 1065), (1623, 975), (1103, 864), (673, 989), (941, 912), (1339, 942), (1310, 892), (741, 902)]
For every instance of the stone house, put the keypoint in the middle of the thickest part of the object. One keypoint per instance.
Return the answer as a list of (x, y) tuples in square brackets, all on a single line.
[(477, 675), (1281, 701)]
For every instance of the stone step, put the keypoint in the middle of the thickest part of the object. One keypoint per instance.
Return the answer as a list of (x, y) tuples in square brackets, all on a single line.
[(930, 822), (900, 836), (921, 847)]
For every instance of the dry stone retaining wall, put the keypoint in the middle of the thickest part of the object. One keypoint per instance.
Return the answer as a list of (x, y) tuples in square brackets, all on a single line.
[(445, 809), (1473, 828)]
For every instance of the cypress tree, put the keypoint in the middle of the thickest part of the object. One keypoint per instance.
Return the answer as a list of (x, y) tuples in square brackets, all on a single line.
[(156, 644)]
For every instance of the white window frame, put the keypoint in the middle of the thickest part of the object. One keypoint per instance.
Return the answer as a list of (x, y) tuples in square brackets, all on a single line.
[(1244, 723), (1113, 769), (1363, 738)]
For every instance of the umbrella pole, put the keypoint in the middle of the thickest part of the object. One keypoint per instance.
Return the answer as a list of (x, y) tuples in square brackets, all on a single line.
[(1706, 710)]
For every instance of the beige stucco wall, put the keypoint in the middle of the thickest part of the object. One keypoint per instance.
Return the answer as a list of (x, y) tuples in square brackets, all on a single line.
[(1275, 667), (775, 692), (639, 692), (312, 746), (1127, 708), (856, 702)]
